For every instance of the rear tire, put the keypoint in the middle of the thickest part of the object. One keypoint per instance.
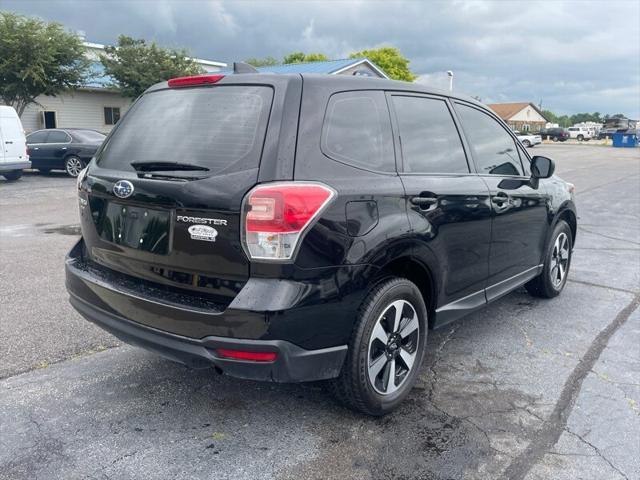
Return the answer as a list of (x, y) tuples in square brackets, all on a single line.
[(73, 165), (557, 262), (526, 143), (580, 138), (555, 139), (12, 175), (386, 349)]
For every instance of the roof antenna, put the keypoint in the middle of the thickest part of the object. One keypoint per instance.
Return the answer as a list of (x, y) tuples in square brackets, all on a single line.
[(241, 67)]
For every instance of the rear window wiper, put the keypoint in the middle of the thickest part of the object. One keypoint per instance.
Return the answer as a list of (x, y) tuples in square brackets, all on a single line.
[(167, 167)]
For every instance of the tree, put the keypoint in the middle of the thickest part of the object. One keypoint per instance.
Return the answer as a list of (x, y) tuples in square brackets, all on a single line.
[(37, 58), (262, 62), (301, 57), (135, 65), (390, 60)]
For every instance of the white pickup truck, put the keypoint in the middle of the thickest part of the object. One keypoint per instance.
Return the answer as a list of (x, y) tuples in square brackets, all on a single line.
[(529, 141)]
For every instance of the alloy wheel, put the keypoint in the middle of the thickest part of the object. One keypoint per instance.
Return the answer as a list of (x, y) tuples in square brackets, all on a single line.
[(393, 347), (74, 166), (559, 260)]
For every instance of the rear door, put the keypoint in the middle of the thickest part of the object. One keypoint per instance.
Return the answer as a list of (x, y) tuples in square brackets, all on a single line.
[(1, 143), (519, 224), (13, 140), (448, 205), (165, 193), (56, 148)]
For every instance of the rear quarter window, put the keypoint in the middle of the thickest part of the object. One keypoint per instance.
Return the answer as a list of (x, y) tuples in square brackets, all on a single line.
[(221, 128), (357, 131)]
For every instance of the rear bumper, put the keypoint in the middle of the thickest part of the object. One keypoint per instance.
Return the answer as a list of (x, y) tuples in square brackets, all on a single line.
[(292, 364), (11, 166), (112, 307)]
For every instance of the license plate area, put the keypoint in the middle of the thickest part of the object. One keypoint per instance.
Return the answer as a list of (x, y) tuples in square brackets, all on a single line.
[(134, 227)]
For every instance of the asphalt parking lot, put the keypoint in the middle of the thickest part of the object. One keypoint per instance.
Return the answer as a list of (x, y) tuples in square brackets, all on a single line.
[(524, 389)]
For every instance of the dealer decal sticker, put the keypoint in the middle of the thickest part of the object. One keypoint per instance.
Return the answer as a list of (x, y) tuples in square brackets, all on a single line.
[(203, 232)]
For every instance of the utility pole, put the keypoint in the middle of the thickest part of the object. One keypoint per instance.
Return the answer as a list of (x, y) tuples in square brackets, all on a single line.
[(450, 74)]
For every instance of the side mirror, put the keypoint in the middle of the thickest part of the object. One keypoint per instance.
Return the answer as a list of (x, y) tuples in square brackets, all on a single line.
[(542, 167)]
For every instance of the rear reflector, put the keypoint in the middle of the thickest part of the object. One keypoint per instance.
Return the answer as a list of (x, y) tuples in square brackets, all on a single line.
[(277, 214), (250, 356), (194, 80)]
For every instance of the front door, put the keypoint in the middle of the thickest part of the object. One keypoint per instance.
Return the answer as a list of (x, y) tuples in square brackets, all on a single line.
[(448, 205), (37, 144), (520, 220)]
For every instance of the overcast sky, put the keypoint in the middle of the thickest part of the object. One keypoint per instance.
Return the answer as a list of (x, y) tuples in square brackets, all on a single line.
[(574, 56)]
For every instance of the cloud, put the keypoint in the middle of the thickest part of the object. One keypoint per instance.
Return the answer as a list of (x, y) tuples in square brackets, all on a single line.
[(573, 55)]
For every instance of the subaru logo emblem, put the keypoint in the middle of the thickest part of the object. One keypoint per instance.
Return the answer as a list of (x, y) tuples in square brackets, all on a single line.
[(123, 188)]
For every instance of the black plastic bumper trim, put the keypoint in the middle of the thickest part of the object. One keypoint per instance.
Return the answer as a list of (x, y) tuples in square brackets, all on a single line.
[(293, 364)]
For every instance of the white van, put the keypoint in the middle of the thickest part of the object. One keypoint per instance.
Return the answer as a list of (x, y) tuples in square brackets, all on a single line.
[(13, 146)]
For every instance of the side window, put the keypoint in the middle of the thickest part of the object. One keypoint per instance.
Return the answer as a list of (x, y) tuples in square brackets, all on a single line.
[(429, 138), (357, 131), (494, 150), (37, 137), (111, 115), (58, 137)]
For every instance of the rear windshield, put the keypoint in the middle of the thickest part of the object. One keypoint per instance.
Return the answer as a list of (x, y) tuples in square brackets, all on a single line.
[(221, 128), (89, 136)]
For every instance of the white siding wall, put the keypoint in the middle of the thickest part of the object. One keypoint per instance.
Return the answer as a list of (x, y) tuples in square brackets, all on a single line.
[(527, 114), (80, 109), (363, 67)]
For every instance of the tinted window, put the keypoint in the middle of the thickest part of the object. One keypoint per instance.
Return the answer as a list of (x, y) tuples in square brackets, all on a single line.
[(88, 136), (58, 137), (494, 150), (221, 128), (37, 137), (357, 130), (430, 140)]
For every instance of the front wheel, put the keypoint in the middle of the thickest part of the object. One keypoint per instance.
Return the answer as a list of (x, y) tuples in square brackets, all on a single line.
[(526, 143), (554, 274), (580, 138), (386, 349), (73, 165)]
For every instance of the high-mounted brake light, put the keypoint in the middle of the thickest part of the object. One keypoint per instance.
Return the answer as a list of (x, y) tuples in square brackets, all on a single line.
[(276, 216), (244, 355), (194, 80)]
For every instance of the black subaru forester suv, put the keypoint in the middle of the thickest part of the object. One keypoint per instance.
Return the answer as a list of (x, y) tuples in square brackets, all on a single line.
[(300, 227)]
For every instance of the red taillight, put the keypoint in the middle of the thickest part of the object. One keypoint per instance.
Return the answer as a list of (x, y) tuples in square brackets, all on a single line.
[(194, 80), (250, 356), (277, 214)]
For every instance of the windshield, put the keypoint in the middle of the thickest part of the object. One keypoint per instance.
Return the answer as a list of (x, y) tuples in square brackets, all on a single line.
[(221, 128)]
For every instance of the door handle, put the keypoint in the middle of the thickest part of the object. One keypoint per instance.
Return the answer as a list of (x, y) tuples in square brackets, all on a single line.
[(36, 148), (424, 202), (64, 148), (9, 142), (500, 198)]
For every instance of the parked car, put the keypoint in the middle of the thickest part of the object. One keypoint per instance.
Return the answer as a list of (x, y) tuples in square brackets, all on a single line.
[(580, 133), (68, 149), (13, 149), (288, 234), (555, 134), (528, 140)]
